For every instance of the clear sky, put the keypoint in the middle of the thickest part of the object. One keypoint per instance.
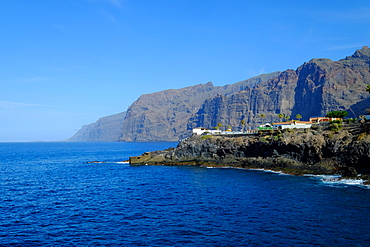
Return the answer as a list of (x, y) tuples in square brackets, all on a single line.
[(66, 63)]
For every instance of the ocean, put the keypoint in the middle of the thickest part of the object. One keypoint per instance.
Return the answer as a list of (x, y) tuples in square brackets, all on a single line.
[(51, 196)]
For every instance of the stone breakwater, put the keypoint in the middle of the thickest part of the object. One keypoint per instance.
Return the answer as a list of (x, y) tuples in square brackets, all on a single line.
[(346, 152)]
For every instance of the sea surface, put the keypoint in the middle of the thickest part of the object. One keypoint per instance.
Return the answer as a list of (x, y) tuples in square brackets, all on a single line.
[(51, 196)]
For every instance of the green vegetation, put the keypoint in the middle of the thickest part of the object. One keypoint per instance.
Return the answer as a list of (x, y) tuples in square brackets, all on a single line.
[(286, 118), (368, 88), (298, 116), (242, 123), (265, 128), (262, 116), (335, 125), (280, 115), (350, 120), (218, 127), (203, 137), (337, 114), (263, 139)]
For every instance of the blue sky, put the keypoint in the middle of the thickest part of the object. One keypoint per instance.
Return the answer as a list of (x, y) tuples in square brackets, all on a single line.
[(66, 63)]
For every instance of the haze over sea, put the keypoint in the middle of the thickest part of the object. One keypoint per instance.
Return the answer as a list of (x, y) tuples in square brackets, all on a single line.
[(52, 197)]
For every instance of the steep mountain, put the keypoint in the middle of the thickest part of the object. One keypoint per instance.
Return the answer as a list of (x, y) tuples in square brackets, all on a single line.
[(268, 97), (106, 129), (163, 116), (315, 88), (324, 85)]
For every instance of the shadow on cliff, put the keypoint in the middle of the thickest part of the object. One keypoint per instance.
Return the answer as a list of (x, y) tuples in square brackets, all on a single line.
[(359, 108)]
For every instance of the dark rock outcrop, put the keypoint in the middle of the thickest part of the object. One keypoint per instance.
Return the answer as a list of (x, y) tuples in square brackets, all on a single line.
[(346, 152), (106, 129)]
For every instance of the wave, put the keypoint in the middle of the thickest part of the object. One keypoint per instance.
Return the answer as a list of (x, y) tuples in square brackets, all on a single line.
[(271, 171), (333, 180), (240, 168), (336, 180)]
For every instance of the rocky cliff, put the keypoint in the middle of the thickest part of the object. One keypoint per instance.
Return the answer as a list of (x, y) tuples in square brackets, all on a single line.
[(270, 98), (106, 129), (160, 116), (317, 151), (313, 89), (163, 116)]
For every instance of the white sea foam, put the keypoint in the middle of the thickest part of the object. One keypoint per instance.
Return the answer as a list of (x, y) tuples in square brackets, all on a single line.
[(240, 168), (216, 167), (323, 177), (272, 171), (326, 179), (122, 162), (344, 181), (338, 180)]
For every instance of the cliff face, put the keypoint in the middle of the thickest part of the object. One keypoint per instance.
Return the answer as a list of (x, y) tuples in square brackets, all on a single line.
[(324, 85), (299, 151), (158, 116), (106, 129), (163, 116), (313, 89), (269, 97)]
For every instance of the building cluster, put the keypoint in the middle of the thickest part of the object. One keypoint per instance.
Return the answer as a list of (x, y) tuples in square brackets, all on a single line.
[(294, 124)]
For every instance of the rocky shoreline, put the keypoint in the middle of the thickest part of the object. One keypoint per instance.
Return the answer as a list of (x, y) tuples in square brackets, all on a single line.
[(312, 151)]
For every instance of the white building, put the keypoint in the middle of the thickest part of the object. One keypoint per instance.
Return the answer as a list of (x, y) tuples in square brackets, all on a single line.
[(201, 130), (293, 125)]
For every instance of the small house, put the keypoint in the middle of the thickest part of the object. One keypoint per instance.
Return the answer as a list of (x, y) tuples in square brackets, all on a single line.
[(201, 130), (322, 119), (293, 125)]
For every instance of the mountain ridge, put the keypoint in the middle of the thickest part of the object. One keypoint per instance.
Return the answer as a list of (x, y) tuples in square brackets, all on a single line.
[(163, 116), (314, 88)]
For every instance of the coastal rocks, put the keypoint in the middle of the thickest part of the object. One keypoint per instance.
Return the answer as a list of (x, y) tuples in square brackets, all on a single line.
[(296, 151)]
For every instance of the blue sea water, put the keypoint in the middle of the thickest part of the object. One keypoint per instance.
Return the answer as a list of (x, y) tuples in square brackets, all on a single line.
[(50, 196)]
